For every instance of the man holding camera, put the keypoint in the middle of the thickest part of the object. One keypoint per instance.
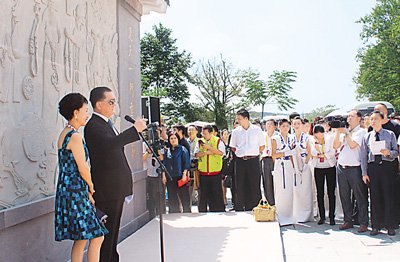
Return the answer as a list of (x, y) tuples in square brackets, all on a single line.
[(209, 151), (348, 143)]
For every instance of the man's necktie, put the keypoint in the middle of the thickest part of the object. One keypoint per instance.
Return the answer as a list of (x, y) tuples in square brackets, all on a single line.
[(110, 123), (378, 158)]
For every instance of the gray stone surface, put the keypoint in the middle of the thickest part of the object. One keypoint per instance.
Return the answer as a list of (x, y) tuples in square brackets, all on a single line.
[(310, 242)]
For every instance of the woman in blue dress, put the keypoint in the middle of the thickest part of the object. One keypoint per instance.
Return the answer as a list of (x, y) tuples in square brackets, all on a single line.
[(177, 161), (75, 216)]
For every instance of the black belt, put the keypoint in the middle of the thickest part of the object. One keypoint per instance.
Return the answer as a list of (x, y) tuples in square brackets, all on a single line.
[(348, 167), (247, 157), (267, 157)]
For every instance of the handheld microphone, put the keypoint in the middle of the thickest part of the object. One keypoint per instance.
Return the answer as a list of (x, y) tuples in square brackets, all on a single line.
[(130, 119)]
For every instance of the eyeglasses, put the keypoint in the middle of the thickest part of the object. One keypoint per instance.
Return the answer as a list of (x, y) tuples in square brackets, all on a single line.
[(111, 102)]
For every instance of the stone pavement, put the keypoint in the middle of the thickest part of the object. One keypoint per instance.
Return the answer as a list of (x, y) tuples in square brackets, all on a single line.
[(207, 237), (310, 242)]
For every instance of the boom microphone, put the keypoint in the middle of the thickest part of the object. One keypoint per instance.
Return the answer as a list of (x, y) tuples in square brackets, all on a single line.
[(130, 119)]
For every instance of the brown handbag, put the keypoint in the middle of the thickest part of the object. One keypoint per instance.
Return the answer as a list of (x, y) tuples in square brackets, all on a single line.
[(264, 212)]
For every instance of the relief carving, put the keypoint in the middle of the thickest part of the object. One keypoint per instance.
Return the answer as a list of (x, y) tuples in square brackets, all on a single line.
[(47, 49)]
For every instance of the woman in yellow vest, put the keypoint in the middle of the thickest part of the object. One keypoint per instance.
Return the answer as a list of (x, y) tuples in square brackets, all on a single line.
[(209, 151)]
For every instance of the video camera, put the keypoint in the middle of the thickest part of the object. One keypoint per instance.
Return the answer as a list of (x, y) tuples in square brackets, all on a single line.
[(339, 122), (153, 136)]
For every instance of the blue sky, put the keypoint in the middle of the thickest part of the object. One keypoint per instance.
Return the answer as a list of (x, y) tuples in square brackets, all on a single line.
[(318, 39)]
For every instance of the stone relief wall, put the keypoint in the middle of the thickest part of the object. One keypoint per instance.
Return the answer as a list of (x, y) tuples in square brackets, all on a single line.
[(47, 48)]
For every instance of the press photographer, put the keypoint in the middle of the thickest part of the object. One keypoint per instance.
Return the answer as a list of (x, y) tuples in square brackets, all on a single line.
[(348, 139), (153, 136)]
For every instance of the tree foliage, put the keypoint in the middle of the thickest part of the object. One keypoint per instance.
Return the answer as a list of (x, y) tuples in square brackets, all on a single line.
[(378, 77), (165, 71), (276, 89), (220, 85)]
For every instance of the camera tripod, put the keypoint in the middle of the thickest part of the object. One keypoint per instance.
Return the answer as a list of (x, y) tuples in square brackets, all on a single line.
[(159, 170)]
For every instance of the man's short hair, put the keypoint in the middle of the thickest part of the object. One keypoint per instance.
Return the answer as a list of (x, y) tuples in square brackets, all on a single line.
[(305, 120), (180, 128), (97, 94), (244, 113), (209, 128), (382, 104), (379, 113), (195, 127), (357, 112)]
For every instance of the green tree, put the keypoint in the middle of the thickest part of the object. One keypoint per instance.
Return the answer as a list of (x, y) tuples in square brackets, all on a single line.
[(165, 71), (378, 76), (220, 85), (276, 88)]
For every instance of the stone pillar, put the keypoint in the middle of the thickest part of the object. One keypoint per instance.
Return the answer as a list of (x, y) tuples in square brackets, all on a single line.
[(49, 48)]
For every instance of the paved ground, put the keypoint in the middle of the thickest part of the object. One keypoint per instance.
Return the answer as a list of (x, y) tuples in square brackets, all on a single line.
[(205, 238), (311, 242)]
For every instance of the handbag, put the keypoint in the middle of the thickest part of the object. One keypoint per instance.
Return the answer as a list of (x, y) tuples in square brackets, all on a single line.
[(227, 164), (264, 212)]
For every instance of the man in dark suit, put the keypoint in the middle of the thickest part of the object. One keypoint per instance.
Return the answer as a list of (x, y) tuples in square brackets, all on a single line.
[(111, 174)]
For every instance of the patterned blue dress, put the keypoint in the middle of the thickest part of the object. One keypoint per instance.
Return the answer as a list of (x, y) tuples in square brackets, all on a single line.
[(75, 216)]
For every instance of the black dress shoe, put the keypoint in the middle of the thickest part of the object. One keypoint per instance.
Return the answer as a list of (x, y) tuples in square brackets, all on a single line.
[(332, 222), (391, 232), (321, 221), (374, 232)]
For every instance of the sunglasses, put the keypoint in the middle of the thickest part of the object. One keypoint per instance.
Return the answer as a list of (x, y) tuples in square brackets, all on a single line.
[(112, 102)]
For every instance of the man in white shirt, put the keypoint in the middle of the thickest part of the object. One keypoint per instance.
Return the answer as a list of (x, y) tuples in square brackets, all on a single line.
[(348, 142), (248, 142)]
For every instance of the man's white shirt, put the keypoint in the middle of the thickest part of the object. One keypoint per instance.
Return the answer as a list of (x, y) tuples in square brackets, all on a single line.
[(247, 141)]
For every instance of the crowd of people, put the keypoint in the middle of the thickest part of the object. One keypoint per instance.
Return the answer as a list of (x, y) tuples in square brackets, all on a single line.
[(286, 162), (294, 163)]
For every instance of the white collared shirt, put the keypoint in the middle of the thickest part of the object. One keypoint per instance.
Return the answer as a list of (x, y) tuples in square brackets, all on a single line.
[(247, 142), (348, 156), (268, 144)]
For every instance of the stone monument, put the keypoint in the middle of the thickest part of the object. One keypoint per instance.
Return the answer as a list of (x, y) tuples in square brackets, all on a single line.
[(49, 48)]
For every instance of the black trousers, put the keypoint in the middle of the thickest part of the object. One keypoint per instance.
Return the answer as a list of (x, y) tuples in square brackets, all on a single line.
[(320, 175), (113, 208), (154, 186), (178, 195), (382, 179), (350, 180), (268, 179), (211, 194), (248, 179)]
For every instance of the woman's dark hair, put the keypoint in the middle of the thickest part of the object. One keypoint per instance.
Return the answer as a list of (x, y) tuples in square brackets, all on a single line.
[(69, 103), (318, 129), (173, 134), (272, 121), (97, 94), (244, 113), (379, 113), (282, 121)]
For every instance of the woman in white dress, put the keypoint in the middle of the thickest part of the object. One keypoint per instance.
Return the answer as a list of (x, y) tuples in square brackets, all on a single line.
[(302, 190), (282, 151)]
